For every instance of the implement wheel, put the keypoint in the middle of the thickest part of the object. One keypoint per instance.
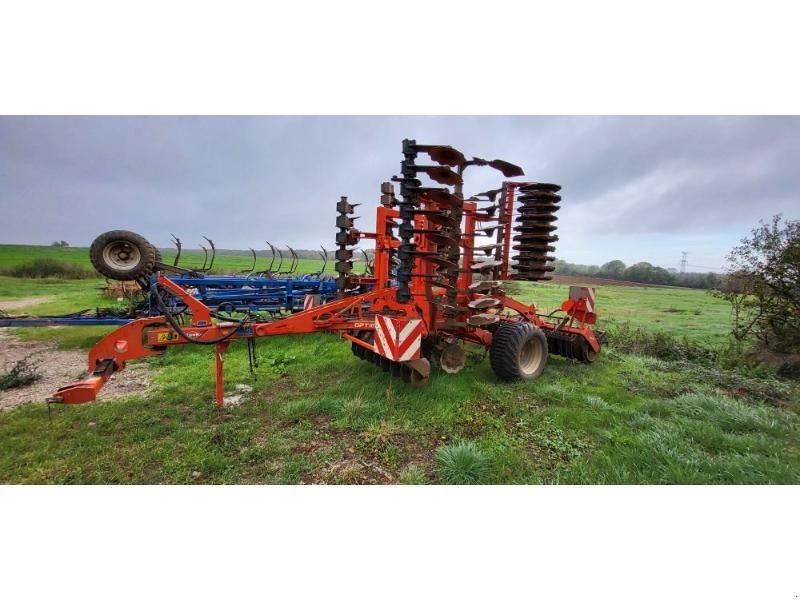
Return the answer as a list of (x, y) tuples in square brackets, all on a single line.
[(518, 351), (123, 255), (587, 354)]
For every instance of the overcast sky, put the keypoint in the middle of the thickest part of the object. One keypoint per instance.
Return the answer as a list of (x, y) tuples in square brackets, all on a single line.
[(634, 188)]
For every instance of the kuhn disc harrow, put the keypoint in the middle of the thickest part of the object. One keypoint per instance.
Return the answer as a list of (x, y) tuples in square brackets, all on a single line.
[(426, 291)]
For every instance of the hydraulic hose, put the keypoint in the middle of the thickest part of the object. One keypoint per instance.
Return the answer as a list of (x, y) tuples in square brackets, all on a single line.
[(179, 330)]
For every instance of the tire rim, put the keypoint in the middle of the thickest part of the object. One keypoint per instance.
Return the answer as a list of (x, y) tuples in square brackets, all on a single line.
[(122, 256), (530, 356)]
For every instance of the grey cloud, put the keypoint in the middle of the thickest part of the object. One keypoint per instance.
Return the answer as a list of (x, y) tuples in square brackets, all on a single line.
[(243, 180)]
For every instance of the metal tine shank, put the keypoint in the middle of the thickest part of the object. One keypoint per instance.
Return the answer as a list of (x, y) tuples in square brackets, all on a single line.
[(178, 246), (324, 256), (213, 252), (205, 258), (253, 266), (271, 262), (295, 260)]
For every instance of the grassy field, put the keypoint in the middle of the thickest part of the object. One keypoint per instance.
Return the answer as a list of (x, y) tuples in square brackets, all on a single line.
[(318, 414), (225, 261)]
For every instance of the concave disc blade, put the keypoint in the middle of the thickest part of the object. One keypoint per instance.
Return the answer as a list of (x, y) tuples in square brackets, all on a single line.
[(482, 319), (441, 174), (484, 286), (531, 247), (438, 195), (532, 186), (483, 303), (506, 168), (444, 155)]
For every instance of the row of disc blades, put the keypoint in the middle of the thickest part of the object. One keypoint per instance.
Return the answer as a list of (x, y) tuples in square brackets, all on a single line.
[(534, 231), (346, 236), (442, 209)]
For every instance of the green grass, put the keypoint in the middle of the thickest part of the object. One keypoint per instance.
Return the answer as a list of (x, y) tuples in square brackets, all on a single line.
[(318, 414), (681, 312), (326, 416), (12, 255), (225, 262), (64, 295)]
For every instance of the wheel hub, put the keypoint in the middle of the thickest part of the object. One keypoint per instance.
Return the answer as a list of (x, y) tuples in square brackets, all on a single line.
[(122, 256)]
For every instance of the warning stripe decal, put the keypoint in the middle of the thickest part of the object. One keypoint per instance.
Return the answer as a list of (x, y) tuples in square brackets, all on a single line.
[(381, 343), (398, 339)]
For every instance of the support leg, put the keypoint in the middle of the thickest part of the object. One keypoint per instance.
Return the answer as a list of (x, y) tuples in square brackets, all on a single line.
[(218, 360)]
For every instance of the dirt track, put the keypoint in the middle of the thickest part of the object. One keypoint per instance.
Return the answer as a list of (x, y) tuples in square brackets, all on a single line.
[(57, 367), (15, 304), (578, 280)]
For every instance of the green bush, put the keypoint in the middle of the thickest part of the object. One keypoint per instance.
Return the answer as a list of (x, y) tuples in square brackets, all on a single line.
[(21, 374), (461, 463), (762, 388), (657, 344), (49, 267)]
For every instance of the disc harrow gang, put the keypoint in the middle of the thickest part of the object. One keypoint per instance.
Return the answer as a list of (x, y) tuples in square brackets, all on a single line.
[(534, 231), (433, 283)]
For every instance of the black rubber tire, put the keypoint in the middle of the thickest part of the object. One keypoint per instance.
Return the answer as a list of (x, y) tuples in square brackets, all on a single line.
[(506, 351), (141, 264)]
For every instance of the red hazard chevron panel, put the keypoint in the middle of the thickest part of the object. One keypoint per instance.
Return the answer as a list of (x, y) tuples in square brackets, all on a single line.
[(398, 339)]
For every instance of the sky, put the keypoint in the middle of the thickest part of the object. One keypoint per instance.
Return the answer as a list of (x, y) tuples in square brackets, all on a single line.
[(633, 188)]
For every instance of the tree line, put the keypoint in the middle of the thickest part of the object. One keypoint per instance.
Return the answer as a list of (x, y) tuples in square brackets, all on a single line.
[(640, 272)]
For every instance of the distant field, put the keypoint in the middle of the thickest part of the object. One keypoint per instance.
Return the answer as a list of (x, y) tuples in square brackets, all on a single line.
[(225, 262), (694, 314)]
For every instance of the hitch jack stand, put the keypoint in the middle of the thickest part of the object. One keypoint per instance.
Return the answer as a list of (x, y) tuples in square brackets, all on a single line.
[(218, 359)]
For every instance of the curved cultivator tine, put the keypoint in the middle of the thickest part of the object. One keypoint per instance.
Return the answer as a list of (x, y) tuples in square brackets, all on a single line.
[(295, 260), (213, 254), (324, 256), (280, 262), (205, 258), (271, 262), (253, 266), (178, 246)]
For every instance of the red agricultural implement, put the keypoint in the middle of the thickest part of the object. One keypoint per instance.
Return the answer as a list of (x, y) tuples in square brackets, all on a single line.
[(431, 287)]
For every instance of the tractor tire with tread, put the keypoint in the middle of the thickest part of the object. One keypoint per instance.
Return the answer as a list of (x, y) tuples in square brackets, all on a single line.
[(123, 255), (518, 351)]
